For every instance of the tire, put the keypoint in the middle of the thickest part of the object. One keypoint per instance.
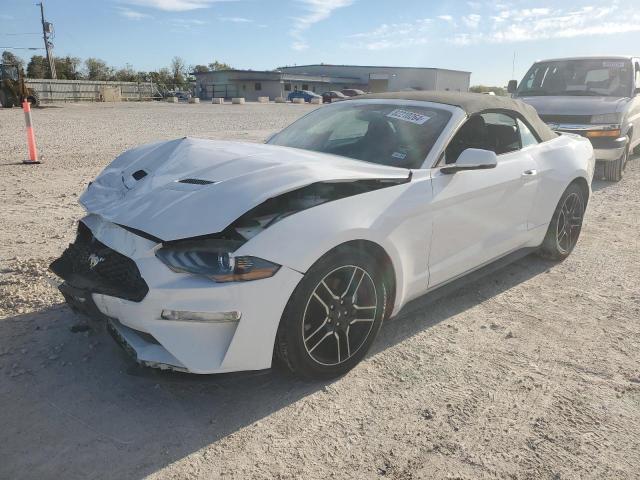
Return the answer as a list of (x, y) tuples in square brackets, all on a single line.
[(559, 241), (34, 98), (636, 150), (325, 329), (613, 170)]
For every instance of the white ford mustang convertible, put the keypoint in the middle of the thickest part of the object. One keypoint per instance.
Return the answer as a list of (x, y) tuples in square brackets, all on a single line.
[(209, 256)]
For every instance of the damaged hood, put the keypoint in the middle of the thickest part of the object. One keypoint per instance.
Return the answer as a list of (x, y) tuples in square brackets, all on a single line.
[(189, 187)]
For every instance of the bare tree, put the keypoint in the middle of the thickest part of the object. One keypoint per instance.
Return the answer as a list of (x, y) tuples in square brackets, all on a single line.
[(178, 69)]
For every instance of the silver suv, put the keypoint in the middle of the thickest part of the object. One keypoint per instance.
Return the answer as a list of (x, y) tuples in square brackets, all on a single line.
[(596, 97)]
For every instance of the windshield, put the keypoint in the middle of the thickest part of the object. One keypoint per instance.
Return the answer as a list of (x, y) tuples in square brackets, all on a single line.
[(9, 72), (602, 77), (387, 134)]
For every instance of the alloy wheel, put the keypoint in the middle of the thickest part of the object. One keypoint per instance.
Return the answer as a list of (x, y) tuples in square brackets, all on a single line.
[(569, 222), (339, 315)]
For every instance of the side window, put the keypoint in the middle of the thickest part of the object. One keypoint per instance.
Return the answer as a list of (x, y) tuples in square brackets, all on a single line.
[(488, 131), (502, 133), (526, 137)]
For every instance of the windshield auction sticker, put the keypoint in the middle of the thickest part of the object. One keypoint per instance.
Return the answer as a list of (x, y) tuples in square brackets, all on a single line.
[(613, 64), (408, 116)]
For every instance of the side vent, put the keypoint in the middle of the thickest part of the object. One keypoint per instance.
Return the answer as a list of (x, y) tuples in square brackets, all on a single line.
[(196, 181), (139, 175)]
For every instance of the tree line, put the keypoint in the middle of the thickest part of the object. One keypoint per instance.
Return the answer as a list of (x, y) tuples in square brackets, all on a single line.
[(176, 75)]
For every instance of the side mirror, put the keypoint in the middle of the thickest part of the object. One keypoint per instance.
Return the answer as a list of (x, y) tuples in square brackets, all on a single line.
[(472, 159), (512, 86)]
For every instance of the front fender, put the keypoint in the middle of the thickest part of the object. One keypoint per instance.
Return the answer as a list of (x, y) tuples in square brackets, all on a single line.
[(560, 161), (397, 218)]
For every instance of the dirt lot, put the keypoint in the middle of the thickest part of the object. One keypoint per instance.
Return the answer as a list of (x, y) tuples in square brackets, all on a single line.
[(531, 372)]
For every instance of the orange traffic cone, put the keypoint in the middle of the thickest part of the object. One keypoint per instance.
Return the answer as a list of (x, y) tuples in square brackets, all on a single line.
[(31, 138)]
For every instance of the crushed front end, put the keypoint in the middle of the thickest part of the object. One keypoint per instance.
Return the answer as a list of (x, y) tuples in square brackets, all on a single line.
[(165, 318)]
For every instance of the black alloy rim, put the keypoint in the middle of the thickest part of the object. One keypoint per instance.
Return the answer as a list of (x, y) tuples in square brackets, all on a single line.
[(569, 222), (339, 315)]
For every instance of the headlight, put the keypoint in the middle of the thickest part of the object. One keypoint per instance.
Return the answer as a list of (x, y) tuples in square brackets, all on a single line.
[(606, 118), (215, 259)]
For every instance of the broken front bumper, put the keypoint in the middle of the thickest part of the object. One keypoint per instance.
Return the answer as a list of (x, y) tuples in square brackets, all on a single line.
[(142, 347), (241, 343)]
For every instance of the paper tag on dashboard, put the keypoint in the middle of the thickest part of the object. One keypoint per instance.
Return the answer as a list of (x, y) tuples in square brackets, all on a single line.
[(412, 117)]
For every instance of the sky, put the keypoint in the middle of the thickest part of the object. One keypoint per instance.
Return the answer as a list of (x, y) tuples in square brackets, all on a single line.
[(479, 36)]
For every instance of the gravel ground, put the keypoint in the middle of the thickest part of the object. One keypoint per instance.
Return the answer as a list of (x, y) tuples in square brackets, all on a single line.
[(531, 372)]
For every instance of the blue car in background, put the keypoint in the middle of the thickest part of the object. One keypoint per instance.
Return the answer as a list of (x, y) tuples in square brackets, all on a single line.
[(306, 94)]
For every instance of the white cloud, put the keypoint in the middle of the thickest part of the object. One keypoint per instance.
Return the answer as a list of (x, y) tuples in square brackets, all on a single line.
[(186, 22), (502, 23), (174, 5), (472, 20), (236, 19), (132, 14), (315, 11), (395, 35)]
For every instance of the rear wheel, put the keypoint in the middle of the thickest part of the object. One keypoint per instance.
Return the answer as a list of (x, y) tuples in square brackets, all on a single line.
[(613, 170), (333, 316), (566, 224), (34, 98)]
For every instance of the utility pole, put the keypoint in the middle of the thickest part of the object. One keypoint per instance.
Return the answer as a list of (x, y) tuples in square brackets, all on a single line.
[(47, 30)]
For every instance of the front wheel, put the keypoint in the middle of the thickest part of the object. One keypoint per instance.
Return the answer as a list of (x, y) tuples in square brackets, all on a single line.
[(333, 316), (613, 170), (566, 224)]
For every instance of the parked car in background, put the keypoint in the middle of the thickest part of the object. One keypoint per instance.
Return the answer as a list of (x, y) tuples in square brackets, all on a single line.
[(210, 256), (332, 96), (304, 94), (595, 97), (352, 92)]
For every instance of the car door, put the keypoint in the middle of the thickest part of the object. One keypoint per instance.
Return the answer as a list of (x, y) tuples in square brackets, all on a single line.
[(481, 215)]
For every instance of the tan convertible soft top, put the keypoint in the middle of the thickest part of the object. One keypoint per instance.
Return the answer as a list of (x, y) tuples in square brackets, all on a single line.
[(472, 103)]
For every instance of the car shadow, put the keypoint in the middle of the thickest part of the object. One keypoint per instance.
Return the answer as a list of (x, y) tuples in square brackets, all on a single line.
[(75, 405)]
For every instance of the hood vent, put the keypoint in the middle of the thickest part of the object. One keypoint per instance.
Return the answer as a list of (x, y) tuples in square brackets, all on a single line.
[(139, 175), (195, 181)]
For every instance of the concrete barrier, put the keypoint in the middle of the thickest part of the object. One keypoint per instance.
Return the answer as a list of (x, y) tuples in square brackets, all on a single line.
[(316, 101), (297, 100), (172, 99), (281, 100), (194, 100), (263, 99), (237, 100), (217, 101)]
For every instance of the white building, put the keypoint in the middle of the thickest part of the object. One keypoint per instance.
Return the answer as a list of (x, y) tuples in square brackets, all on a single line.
[(391, 79), (320, 78)]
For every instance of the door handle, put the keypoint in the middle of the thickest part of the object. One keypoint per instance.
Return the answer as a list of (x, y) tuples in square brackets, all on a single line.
[(529, 173)]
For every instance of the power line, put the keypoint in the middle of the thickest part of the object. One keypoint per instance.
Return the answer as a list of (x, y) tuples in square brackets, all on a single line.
[(23, 48), (30, 33)]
